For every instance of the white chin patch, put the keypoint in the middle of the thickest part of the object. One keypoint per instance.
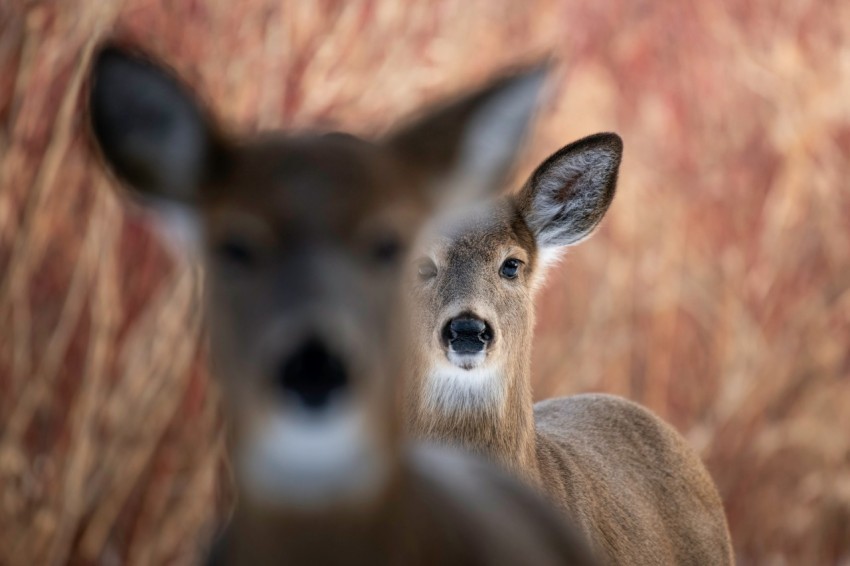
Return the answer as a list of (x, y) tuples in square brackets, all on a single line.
[(467, 361), (307, 459), (449, 388)]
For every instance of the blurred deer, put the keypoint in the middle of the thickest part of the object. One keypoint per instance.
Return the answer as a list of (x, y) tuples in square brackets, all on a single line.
[(634, 486), (303, 239)]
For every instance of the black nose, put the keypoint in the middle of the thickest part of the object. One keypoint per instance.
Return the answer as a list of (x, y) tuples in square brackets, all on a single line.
[(312, 374), (467, 334)]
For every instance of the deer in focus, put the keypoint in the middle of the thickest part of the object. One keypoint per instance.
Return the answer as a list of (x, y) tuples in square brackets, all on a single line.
[(303, 238), (636, 489)]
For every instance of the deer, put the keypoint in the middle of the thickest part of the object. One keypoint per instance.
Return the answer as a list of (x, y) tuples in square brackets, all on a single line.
[(633, 485), (302, 238)]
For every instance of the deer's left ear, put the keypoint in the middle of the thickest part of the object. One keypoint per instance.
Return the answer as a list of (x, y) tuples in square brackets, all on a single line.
[(569, 193), (465, 149)]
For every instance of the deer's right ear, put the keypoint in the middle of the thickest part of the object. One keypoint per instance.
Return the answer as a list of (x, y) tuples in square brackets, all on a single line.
[(464, 150), (149, 126)]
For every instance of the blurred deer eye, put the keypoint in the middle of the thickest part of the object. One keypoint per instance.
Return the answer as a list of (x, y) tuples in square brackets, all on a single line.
[(236, 252), (426, 269), (510, 268), (387, 249)]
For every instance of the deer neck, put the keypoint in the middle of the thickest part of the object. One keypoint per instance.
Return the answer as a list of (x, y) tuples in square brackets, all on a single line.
[(488, 411), (353, 533)]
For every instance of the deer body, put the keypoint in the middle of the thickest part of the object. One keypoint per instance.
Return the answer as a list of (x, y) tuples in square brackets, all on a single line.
[(631, 482), (303, 239), (637, 490)]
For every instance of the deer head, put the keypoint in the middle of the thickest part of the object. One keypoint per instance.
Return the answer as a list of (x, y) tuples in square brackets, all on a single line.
[(303, 238), (475, 277)]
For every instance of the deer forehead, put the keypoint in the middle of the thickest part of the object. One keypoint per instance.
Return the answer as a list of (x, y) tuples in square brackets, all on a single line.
[(318, 184), (489, 233)]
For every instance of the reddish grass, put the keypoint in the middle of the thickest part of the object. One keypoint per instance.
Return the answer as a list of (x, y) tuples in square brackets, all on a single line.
[(717, 291)]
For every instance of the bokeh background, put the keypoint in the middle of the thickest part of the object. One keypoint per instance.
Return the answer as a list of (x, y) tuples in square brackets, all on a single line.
[(717, 291)]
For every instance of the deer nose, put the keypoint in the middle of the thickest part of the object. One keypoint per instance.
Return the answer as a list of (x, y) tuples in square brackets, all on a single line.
[(312, 374), (467, 334)]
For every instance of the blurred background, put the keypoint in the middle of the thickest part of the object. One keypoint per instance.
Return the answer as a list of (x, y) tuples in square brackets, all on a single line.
[(717, 291)]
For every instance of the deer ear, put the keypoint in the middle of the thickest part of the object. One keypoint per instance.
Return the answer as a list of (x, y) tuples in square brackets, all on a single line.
[(149, 127), (569, 193), (468, 146)]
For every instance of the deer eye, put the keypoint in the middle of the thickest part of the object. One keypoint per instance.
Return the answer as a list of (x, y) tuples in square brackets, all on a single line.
[(237, 252), (387, 249), (510, 268), (426, 269)]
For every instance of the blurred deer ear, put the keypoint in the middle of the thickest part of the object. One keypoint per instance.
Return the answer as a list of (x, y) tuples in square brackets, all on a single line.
[(149, 127), (468, 146), (569, 193)]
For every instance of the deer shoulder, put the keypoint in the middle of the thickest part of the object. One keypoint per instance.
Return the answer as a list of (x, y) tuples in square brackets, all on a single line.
[(630, 480)]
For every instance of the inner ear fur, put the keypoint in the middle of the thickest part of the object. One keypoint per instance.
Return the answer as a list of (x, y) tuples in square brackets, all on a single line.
[(149, 126), (569, 193), (468, 145)]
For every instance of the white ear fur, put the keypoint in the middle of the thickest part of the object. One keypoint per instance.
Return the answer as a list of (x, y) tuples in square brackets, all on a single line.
[(178, 225), (547, 259), (550, 257)]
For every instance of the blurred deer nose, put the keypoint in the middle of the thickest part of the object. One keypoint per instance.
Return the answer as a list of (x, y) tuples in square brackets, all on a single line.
[(313, 374), (467, 334)]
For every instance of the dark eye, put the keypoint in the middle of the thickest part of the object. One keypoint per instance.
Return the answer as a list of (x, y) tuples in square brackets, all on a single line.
[(236, 252), (426, 269), (387, 249), (510, 268)]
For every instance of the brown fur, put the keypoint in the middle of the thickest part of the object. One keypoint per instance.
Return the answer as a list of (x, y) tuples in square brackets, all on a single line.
[(303, 236), (635, 487), (442, 509)]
